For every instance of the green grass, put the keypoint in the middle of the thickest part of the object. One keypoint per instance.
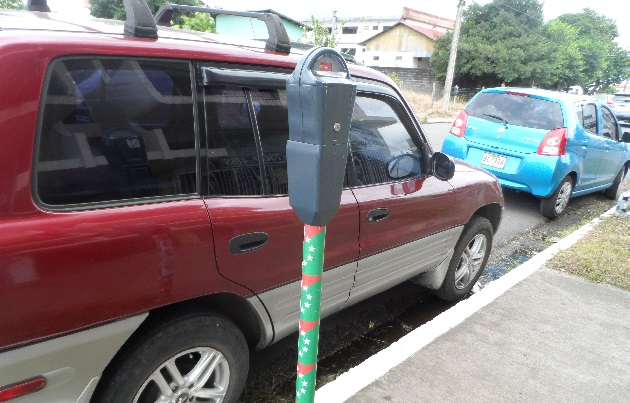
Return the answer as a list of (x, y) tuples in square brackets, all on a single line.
[(602, 256)]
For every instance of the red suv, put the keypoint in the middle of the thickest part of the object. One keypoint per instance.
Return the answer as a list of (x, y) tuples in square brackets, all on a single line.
[(147, 242)]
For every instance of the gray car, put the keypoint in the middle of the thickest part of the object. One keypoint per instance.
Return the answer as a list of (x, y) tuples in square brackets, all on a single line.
[(621, 106)]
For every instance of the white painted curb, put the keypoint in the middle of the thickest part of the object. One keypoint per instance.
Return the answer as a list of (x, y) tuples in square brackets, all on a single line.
[(351, 382)]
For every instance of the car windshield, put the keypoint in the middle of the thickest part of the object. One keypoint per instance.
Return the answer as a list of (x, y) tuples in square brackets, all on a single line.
[(517, 109)]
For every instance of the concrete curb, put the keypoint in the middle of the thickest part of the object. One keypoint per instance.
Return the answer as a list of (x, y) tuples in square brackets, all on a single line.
[(352, 381)]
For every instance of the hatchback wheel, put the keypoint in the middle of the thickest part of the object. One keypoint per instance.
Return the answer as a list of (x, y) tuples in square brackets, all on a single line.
[(555, 205), (469, 259), (195, 358), (612, 191)]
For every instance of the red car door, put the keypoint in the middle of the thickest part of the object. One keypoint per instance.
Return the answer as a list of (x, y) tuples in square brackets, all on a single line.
[(258, 237), (406, 219)]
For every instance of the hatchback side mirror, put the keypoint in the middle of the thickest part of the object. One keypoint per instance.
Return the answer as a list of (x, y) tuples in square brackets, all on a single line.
[(625, 137), (443, 166)]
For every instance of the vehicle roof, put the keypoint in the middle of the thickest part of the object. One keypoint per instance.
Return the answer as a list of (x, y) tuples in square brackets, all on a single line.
[(548, 94), (51, 27)]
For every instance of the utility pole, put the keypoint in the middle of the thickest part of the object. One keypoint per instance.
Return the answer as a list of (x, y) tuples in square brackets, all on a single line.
[(450, 71)]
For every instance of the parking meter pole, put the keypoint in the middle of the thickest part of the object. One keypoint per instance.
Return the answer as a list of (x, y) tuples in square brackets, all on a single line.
[(310, 302), (320, 101)]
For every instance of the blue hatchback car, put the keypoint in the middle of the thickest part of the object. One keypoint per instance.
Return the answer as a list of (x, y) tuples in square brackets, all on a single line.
[(550, 144)]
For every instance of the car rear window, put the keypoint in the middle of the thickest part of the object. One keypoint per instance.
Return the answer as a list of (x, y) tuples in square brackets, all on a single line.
[(621, 98), (517, 109)]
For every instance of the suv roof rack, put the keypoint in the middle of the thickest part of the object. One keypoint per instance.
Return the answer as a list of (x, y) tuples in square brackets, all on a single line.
[(278, 39)]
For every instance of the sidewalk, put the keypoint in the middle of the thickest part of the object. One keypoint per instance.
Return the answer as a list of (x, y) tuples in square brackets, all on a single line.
[(533, 335)]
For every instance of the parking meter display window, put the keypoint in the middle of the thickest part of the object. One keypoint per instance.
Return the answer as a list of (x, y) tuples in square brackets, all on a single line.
[(115, 129), (273, 127), (379, 133), (233, 162), (329, 66)]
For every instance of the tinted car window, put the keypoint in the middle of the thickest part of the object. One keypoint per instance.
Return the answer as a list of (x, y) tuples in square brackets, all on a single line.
[(233, 160), (380, 132), (517, 109), (273, 126), (115, 129)]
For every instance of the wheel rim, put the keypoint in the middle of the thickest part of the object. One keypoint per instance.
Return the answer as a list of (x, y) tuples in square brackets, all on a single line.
[(200, 374), (471, 260), (563, 197)]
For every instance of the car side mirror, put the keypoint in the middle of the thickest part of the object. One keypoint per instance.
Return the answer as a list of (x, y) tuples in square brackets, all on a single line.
[(625, 137), (443, 166), (403, 166)]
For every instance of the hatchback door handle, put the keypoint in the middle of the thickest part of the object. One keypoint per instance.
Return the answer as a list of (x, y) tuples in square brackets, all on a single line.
[(248, 242), (378, 214)]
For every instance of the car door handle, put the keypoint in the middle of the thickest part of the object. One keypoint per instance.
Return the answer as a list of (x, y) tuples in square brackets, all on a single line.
[(248, 242), (378, 214)]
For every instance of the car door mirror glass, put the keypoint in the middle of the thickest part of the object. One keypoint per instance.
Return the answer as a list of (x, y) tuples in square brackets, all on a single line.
[(443, 166)]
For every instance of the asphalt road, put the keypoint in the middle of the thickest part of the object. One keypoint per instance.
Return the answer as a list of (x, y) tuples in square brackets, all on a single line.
[(521, 209)]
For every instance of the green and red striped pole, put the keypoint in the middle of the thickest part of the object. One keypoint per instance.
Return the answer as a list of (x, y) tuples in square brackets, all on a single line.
[(310, 302)]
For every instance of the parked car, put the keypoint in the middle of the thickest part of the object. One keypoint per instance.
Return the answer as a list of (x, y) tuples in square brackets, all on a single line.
[(621, 106), (147, 241), (550, 144), (605, 98)]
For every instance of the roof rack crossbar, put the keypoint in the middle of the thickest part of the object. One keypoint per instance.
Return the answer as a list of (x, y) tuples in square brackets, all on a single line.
[(278, 40), (139, 22), (38, 5)]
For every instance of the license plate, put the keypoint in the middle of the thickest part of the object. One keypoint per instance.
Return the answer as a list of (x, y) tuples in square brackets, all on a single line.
[(493, 160)]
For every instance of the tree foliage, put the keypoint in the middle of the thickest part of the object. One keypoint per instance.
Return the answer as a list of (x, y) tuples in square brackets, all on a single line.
[(507, 41), (320, 35), (114, 9), (12, 4)]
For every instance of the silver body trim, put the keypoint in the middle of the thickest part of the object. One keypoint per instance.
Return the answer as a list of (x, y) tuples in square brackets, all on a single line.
[(351, 283), (283, 303), (69, 363), (382, 271)]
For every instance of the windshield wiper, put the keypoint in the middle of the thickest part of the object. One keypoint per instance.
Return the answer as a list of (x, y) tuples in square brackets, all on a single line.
[(505, 122)]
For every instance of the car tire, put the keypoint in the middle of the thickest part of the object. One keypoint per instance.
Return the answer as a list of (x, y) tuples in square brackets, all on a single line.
[(469, 259), (552, 207), (612, 191), (195, 355)]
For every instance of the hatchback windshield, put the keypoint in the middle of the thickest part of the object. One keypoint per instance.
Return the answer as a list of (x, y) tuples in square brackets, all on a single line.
[(517, 109)]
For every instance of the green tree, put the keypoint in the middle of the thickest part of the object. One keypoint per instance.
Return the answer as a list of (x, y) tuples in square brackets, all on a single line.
[(500, 42), (202, 22), (508, 41), (12, 4), (320, 35), (114, 9), (604, 62)]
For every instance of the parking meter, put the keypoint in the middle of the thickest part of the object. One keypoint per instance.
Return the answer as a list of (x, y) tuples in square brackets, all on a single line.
[(320, 97)]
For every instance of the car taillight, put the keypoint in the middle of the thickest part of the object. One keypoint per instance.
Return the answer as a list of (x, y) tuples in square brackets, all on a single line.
[(459, 125), (554, 143)]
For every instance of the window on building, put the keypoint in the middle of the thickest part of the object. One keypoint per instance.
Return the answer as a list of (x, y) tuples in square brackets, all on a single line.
[(349, 30), (376, 58), (349, 51), (398, 58), (375, 28), (386, 27), (366, 28)]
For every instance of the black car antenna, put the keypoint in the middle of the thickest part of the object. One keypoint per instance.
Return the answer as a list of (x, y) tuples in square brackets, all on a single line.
[(38, 5), (139, 22)]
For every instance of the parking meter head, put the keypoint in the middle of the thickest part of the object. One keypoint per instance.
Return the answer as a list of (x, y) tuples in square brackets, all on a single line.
[(320, 98)]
